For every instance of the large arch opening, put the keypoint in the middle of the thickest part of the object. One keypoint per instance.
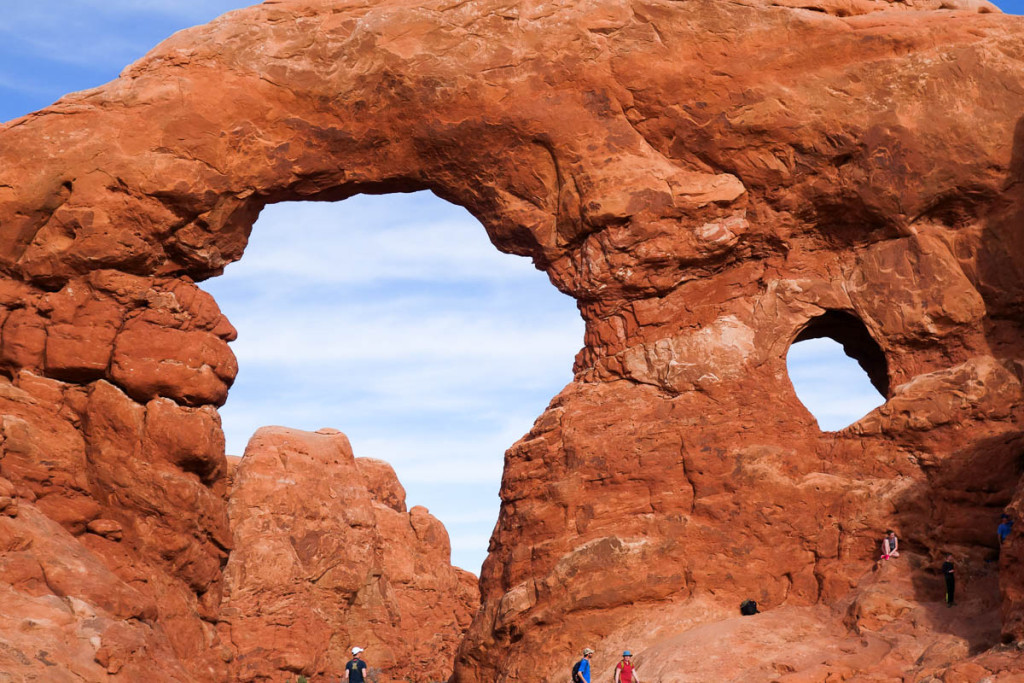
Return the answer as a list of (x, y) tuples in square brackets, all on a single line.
[(839, 372), (394, 319)]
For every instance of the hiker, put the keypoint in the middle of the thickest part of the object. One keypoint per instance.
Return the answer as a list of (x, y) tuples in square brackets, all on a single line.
[(624, 671), (1004, 528), (947, 574), (355, 667), (581, 672), (890, 545)]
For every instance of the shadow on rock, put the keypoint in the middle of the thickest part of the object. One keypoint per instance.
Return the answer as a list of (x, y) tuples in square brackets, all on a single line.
[(954, 510)]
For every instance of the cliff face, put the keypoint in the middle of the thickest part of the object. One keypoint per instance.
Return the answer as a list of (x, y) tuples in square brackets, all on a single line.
[(327, 557), (710, 180)]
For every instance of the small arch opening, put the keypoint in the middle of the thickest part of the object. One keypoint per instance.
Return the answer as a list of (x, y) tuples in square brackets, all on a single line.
[(839, 372)]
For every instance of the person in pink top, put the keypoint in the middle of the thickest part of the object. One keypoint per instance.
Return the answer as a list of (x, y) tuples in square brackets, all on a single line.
[(625, 672)]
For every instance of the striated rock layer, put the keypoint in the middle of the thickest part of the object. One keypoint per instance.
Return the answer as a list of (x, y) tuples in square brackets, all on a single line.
[(326, 557), (710, 180)]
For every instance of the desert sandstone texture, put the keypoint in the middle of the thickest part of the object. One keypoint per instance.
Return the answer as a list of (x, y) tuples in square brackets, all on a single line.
[(326, 556), (710, 180)]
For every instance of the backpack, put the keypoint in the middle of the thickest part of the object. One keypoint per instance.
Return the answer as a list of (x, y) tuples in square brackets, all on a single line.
[(748, 607), (575, 671)]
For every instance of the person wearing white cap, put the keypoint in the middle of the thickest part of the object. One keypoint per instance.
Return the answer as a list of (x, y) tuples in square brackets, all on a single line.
[(581, 672), (355, 667), (624, 671)]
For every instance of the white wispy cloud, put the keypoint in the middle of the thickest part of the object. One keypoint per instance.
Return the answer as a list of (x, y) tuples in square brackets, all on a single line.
[(489, 514), (395, 320), (193, 10), (102, 36), (14, 83), (363, 245), (830, 384), (295, 340), (469, 542)]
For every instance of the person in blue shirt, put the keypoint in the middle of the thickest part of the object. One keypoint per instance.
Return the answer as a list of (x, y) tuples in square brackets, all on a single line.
[(1005, 527), (583, 673)]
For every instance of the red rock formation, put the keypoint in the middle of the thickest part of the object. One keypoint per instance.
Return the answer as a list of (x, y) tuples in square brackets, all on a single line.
[(327, 557), (708, 179)]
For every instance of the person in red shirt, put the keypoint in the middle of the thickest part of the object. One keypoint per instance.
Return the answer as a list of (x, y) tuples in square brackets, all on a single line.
[(624, 670)]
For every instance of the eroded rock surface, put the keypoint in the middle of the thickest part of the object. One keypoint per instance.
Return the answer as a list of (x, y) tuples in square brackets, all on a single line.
[(326, 557), (706, 178)]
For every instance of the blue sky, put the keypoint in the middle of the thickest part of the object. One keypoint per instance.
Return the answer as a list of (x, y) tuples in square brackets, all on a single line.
[(390, 318), (393, 319)]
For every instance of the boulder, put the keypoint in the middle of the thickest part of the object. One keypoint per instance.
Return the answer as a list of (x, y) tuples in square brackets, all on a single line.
[(327, 558)]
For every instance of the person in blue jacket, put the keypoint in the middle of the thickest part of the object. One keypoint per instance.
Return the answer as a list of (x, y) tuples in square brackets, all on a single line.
[(1005, 527)]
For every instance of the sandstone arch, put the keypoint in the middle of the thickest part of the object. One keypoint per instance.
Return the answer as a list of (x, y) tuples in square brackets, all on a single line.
[(697, 183)]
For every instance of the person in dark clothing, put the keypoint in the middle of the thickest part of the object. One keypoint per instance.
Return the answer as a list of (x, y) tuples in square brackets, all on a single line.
[(950, 578), (355, 668)]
